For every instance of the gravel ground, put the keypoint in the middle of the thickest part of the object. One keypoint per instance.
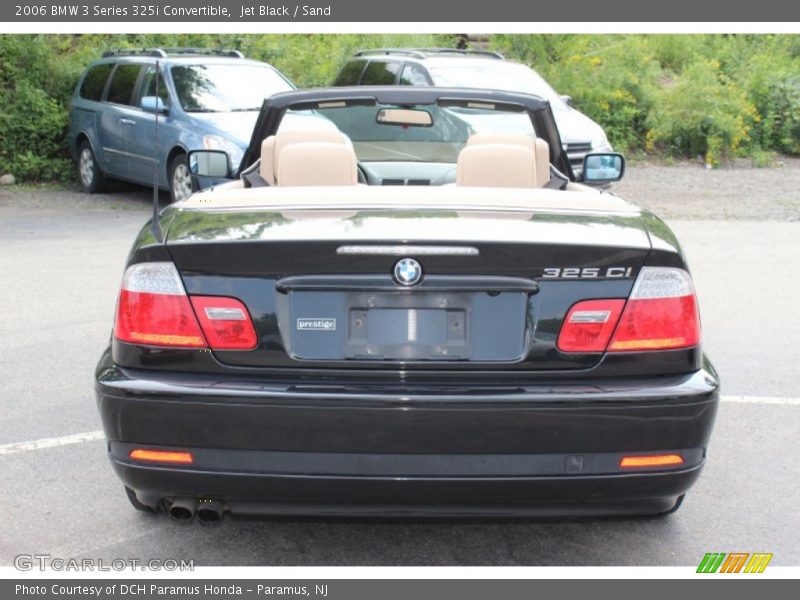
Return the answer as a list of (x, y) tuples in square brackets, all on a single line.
[(684, 191), (689, 191), (119, 196)]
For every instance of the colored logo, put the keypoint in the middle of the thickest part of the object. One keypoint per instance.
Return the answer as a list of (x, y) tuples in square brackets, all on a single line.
[(734, 562), (407, 271)]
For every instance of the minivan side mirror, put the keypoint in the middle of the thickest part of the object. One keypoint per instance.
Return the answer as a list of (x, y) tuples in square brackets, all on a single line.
[(605, 167), (209, 163), (567, 100), (153, 104)]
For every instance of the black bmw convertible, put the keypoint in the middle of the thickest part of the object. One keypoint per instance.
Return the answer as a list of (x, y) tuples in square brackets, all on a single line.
[(403, 302)]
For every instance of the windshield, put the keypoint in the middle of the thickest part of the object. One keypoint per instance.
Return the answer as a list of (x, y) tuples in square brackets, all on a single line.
[(440, 142), (226, 87), (509, 77)]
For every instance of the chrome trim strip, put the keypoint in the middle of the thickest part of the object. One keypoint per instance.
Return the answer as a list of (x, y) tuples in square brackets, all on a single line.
[(400, 250)]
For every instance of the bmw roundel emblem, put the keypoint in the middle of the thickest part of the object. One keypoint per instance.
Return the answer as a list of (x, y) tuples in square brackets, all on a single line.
[(407, 271)]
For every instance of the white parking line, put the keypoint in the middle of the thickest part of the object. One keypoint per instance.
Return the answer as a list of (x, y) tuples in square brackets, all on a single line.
[(53, 442), (761, 400), (92, 436)]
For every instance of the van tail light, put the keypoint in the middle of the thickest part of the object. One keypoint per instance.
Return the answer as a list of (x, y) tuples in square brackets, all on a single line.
[(225, 322), (660, 314), (154, 310)]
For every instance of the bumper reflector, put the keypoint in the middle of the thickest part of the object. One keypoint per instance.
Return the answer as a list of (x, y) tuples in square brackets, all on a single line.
[(162, 456), (652, 460)]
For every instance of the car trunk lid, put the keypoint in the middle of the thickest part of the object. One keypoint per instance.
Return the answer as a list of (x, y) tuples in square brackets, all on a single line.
[(317, 272)]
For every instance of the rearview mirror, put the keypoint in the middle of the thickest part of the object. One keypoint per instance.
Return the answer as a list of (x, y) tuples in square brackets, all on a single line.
[(567, 100), (153, 104), (406, 117), (209, 163), (606, 167)]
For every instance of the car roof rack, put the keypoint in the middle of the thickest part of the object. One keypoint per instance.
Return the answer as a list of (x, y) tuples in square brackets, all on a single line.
[(165, 52), (392, 51), (426, 52)]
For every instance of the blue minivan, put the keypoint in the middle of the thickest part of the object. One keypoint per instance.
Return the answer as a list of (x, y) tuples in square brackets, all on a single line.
[(205, 99)]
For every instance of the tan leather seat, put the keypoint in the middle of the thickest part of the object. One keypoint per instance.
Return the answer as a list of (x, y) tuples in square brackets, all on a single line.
[(540, 148), (273, 146), (496, 165), (316, 163)]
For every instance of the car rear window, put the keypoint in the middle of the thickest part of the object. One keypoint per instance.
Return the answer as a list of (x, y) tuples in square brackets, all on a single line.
[(350, 73), (413, 75), (122, 83), (95, 82), (380, 73)]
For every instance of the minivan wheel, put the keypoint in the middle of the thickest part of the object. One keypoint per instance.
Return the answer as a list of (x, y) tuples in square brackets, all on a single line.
[(180, 181), (90, 177)]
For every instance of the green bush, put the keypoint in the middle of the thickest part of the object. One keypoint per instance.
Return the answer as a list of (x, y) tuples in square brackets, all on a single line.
[(774, 89), (33, 126), (701, 112), (683, 95)]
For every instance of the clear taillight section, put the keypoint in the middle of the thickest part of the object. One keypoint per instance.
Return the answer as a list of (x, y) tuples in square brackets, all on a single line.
[(154, 310), (660, 314)]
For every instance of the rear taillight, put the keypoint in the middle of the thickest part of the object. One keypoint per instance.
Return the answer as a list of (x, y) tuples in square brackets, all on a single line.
[(154, 309), (226, 323), (660, 314), (589, 325)]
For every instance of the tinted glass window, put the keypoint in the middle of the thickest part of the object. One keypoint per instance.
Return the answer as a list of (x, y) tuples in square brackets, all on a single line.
[(380, 73), (349, 73), (149, 86), (95, 82), (122, 82), (226, 87), (413, 75)]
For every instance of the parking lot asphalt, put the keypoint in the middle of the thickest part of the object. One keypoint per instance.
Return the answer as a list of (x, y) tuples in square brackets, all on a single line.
[(60, 267)]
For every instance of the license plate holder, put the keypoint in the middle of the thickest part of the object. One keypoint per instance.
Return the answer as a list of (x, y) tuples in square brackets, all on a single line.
[(422, 326)]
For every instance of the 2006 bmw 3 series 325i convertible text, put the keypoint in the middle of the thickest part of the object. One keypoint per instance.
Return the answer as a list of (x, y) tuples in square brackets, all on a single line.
[(404, 304)]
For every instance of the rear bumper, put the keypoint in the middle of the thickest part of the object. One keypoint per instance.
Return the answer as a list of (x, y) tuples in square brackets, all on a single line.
[(262, 446)]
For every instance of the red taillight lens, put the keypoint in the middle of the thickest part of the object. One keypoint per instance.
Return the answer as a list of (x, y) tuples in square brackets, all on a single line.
[(589, 325), (153, 308), (225, 322), (657, 324), (661, 313)]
